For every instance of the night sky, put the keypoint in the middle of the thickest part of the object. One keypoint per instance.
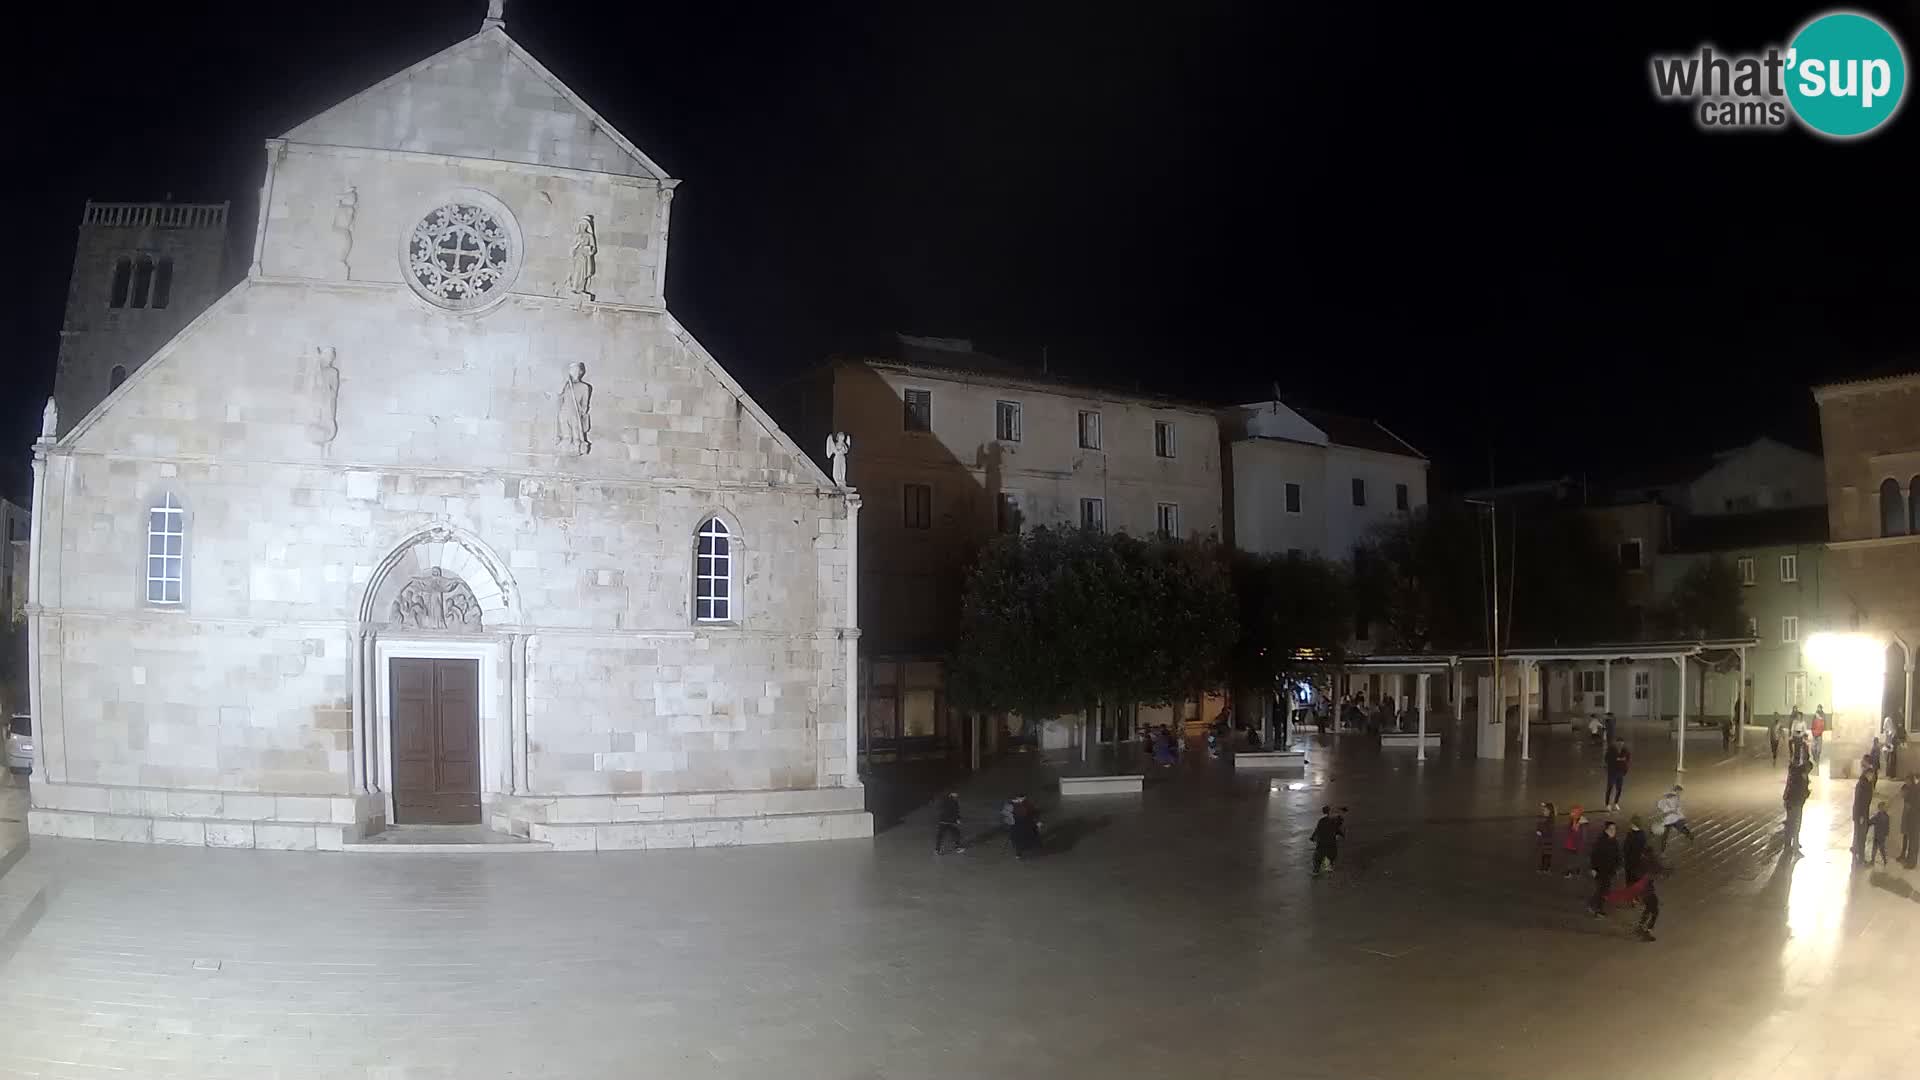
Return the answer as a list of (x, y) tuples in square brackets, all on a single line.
[(1479, 227)]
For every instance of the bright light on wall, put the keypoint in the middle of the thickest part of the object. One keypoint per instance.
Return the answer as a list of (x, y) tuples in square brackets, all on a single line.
[(1856, 666)]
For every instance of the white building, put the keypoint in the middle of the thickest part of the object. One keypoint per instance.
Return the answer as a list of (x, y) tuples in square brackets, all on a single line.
[(441, 516), (1314, 482), (953, 445)]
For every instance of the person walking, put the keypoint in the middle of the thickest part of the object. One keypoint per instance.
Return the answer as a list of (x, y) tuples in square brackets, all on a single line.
[(1794, 798), (1672, 818), (1910, 820), (1880, 823), (1604, 859), (1649, 896), (1618, 760), (1543, 838), (1609, 726), (1773, 739), (1326, 841), (1576, 836), (949, 824), (1862, 809), (1819, 728), (1633, 850), (1026, 827), (1798, 754)]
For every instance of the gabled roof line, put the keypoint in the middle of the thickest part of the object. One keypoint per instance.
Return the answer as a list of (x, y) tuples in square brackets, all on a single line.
[(514, 47)]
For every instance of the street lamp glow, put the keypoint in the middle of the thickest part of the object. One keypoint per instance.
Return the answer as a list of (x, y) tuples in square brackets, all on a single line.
[(1856, 667)]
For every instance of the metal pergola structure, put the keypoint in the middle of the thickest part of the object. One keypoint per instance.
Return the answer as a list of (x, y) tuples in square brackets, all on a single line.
[(1424, 665)]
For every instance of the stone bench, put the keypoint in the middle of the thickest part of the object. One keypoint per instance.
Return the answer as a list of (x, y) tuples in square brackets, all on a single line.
[(1100, 785), (1270, 759), (1408, 738)]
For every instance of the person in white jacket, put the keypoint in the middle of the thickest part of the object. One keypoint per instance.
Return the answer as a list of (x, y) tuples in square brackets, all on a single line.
[(1672, 817)]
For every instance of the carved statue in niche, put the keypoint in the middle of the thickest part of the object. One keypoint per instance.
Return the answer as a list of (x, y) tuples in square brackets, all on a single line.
[(573, 423), (434, 601), (839, 445), (324, 392), (585, 247), (50, 421), (343, 210)]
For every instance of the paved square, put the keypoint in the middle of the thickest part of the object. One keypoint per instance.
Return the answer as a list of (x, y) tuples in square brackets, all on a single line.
[(1174, 933)]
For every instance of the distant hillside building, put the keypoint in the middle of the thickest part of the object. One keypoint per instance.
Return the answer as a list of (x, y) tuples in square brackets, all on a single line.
[(141, 272)]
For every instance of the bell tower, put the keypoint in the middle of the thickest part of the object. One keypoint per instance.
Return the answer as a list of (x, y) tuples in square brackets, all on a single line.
[(141, 271)]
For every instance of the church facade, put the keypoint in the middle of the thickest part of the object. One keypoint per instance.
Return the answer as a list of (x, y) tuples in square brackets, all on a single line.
[(440, 517)]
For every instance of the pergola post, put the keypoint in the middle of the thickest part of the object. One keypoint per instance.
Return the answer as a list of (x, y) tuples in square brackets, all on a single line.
[(1526, 683), (1420, 754), (1606, 684), (1459, 692), (1742, 704), (1681, 762)]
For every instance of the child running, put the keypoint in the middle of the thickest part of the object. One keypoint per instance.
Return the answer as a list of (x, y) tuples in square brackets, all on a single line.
[(1576, 838)]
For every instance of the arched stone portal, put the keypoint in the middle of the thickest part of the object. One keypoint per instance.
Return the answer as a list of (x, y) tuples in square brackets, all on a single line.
[(438, 615)]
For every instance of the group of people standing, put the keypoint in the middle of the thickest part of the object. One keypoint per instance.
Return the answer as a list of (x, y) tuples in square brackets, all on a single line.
[(1610, 854)]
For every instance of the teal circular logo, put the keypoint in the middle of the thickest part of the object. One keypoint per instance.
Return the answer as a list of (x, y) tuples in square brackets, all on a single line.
[(1845, 74)]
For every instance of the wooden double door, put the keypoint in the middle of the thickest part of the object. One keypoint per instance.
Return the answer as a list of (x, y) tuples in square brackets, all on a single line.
[(436, 741)]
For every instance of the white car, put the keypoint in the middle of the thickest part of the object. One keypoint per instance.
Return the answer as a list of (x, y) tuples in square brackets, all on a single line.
[(20, 743)]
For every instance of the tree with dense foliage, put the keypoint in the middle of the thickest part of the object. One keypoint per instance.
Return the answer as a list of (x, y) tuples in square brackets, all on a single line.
[(1055, 620), (1288, 605), (1707, 602), (1423, 582)]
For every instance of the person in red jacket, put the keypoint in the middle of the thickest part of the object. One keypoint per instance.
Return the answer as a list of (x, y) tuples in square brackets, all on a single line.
[(1576, 837)]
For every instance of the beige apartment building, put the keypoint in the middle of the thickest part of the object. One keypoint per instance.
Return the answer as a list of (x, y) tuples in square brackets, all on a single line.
[(1870, 429), (950, 446)]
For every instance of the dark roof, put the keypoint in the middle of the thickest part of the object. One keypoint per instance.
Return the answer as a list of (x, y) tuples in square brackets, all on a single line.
[(958, 356), (1765, 528), (1360, 434)]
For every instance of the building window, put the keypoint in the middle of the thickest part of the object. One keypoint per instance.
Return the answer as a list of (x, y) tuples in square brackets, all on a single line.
[(162, 283), (713, 573), (142, 281), (919, 506), (1402, 499), (1796, 689), (1010, 515), (1167, 519), (1642, 685), (1789, 628), (1893, 509), (1093, 514), (1006, 421), (1789, 568), (166, 551), (1089, 431), (1630, 555), (1594, 685), (117, 376), (1745, 566), (1753, 627), (1163, 440), (122, 281), (1293, 498), (1359, 492), (919, 415)]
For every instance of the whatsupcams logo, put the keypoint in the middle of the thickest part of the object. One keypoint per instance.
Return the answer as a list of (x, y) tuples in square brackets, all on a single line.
[(1843, 75)]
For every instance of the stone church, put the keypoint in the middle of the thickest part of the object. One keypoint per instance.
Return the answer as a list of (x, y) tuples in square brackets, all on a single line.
[(439, 517)]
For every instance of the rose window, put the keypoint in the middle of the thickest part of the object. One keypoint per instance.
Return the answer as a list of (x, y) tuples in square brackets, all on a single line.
[(460, 255)]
